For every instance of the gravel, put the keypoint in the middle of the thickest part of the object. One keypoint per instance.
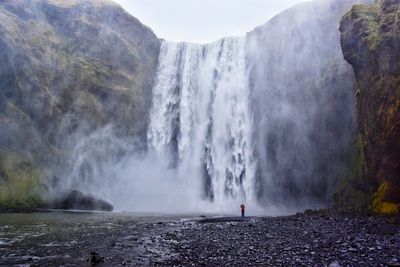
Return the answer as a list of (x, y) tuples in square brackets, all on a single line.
[(107, 239)]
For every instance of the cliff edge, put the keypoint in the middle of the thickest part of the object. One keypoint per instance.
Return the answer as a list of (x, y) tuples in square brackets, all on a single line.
[(370, 39)]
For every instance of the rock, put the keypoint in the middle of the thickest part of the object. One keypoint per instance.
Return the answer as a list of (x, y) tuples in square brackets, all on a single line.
[(393, 263), (370, 43), (69, 68), (352, 250), (309, 47), (76, 200), (95, 258)]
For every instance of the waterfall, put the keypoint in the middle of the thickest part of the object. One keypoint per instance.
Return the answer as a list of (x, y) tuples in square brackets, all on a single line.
[(267, 119), (200, 119)]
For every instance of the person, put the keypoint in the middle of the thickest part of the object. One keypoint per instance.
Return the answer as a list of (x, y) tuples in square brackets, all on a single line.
[(242, 208)]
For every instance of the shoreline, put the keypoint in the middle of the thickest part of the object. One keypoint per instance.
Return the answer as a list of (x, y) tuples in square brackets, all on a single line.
[(76, 239), (349, 211)]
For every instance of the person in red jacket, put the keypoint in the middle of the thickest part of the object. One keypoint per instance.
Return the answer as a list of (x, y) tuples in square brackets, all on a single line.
[(242, 208)]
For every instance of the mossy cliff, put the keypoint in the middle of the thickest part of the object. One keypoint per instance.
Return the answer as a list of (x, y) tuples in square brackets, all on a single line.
[(354, 190), (70, 67), (370, 38), (20, 183)]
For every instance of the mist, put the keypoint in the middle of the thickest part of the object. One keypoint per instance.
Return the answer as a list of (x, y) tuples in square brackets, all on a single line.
[(267, 119), (199, 132), (204, 21), (303, 101)]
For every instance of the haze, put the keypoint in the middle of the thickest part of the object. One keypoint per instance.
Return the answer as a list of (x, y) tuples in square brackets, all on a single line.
[(203, 21)]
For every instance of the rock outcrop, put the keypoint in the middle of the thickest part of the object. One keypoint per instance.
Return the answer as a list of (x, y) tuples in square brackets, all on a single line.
[(370, 38), (68, 68), (76, 200)]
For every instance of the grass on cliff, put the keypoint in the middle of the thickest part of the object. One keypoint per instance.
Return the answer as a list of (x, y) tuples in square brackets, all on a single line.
[(368, 15), (20, 184)]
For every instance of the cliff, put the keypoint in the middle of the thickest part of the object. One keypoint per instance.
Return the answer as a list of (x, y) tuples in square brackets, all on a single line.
[(67, 68), (370, 38), (303, 104)]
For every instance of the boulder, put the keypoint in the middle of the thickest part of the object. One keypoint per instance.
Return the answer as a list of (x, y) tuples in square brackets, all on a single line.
[(76, 200)]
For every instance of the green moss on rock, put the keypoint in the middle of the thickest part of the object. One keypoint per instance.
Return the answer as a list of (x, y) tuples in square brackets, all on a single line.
[(20, 183), (369, 39), (67, 68), (353, 191)]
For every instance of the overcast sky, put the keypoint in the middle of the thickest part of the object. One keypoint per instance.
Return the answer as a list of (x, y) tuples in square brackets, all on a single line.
[(204, 21)]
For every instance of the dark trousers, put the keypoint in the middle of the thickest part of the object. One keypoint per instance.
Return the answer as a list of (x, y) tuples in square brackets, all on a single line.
[(242, 213)]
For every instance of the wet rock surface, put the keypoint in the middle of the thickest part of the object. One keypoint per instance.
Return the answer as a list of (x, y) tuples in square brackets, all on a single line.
[(68, 70), (316, 240), (112, 239), (370, 43), (80, 201)]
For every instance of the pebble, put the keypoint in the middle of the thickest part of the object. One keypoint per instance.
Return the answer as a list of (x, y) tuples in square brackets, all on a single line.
[(312, 240), (334, 264), (288, 241)]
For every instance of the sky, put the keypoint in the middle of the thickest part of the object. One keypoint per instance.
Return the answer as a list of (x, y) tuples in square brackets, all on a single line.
[(204, 21)]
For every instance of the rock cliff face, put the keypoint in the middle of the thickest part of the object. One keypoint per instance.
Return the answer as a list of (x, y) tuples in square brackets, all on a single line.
[(68, 68), (302, 102), (370, 38)]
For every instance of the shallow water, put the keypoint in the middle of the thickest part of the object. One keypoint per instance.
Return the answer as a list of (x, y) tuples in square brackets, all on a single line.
[(68, 238)]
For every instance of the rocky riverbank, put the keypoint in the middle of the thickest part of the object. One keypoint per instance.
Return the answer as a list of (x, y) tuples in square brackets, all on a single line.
[(315, 240), (112, 239)]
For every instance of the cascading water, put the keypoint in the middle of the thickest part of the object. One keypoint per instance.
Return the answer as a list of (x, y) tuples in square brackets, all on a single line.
[(200, 119)]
